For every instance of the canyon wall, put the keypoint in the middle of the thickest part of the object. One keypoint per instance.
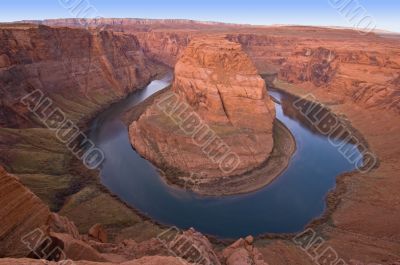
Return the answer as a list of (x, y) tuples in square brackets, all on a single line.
[(361, 68), (80, 70)]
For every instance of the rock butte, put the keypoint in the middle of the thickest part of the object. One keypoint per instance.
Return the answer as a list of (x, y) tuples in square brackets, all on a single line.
[(216, 78)]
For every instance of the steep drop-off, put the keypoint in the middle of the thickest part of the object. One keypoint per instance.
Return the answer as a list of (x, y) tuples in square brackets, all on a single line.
[(80, 70)]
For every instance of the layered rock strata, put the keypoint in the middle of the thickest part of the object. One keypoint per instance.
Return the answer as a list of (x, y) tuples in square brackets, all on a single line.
[(21, 212), (216, 121), (80, 70)]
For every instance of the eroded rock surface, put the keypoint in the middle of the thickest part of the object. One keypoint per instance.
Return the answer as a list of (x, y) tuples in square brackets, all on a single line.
[(156, 260), (242, 252), (21, 212), (225, 99), (81, 70)]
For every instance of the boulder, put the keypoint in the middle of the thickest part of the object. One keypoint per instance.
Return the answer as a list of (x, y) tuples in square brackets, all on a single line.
[(98, 232), (242, 252)]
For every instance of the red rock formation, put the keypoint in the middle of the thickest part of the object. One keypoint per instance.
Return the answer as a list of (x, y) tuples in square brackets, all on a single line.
[(80, 70), (98, 232), (28, 227), (362, 68), (220, 84), (198, 242), (242, 252), (21, 212)]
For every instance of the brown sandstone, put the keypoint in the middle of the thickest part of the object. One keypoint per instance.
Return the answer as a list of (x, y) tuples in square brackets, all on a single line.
[(81, 70), (97, 232), (220, 84), (21, 212), (242, 252), (27, 222), (198, 242)]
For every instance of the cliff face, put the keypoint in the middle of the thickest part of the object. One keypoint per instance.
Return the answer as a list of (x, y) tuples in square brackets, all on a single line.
[(360, 69), (219, 83), (80, 70), (222, 85), (21, 212)]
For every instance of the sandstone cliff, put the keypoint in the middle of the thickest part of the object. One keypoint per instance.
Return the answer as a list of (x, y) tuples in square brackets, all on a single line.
[(352, 67), (229, 99), (80, 70), (360, 68)]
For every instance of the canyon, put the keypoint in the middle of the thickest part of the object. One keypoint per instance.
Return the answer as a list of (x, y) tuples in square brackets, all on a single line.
[(84, 70)]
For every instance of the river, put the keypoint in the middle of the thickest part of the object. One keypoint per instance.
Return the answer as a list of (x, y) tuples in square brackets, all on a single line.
[(286, 205)]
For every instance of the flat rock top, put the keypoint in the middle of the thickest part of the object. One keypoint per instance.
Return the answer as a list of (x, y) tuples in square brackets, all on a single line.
[(217, 52)]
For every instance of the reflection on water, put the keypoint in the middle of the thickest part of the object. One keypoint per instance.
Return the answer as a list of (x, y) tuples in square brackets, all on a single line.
[(286, 205), (313, 115)]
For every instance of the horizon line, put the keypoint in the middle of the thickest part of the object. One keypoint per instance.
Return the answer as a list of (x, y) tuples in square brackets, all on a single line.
[(376, 30)]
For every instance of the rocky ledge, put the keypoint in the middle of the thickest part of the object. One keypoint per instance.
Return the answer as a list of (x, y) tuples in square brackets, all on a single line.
[(215, 124), (31, 234)]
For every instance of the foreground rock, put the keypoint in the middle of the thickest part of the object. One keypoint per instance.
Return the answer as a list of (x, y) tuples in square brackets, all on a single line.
[(21, 212), (191, 241), (28, 227), (98, 233), (216, 122), (242, 252), (156, 260)]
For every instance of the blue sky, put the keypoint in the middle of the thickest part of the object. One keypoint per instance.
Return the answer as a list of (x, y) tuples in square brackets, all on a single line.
[(386, 13)]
